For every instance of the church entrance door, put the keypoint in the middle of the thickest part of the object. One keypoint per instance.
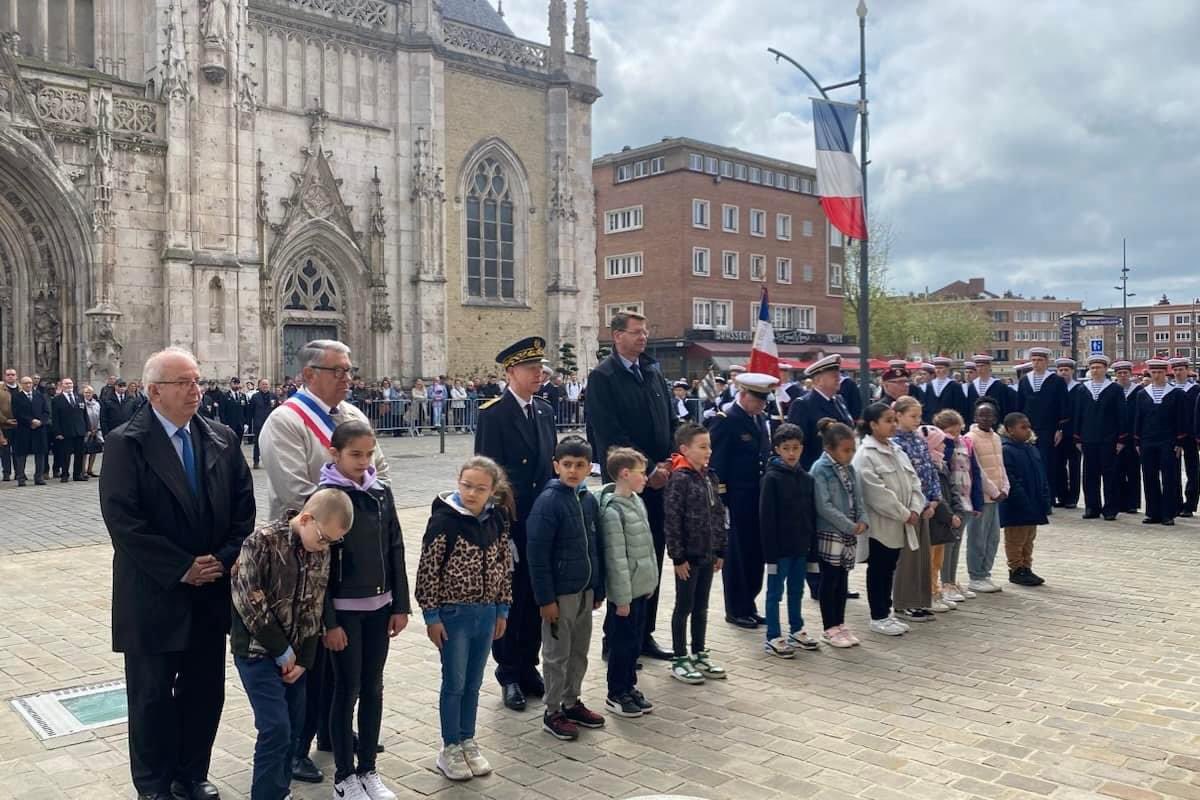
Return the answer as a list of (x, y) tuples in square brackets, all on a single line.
[(295, 337)]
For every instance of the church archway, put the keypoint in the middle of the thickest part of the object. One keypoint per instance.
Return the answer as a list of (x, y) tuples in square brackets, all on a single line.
[(45, 264)]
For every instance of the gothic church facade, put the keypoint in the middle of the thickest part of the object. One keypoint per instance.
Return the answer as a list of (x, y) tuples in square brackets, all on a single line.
[(240, 176)]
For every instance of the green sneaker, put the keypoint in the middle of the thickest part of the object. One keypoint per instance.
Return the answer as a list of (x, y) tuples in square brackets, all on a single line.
[(710, 670), (682, 670)]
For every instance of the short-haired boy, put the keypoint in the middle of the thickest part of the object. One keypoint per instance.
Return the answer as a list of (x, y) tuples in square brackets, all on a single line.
[(631, 576), (568, 584), (1028, 501), (696, 533), (279, 585), (787, 521)]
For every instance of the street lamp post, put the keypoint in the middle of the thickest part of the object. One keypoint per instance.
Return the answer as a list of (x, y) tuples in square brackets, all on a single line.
[(864, 286), (1125, 295)]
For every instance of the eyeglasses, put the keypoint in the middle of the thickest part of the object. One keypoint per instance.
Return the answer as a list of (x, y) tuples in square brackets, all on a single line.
[(471, 488), (186, 383), (339, 372), (323, 539)]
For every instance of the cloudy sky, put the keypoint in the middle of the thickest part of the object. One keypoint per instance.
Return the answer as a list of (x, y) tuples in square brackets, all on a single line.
[(1016, 140)]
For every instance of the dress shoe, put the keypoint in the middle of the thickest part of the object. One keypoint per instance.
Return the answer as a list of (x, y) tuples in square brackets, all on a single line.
[(1110, 517), (81, 478), (1089, 514), (1151, 521), (651, 650), (532, 685), (39, 481), (154, 796), (303, 769), (92, 475), (852, 595), (6, 478), (760, 619), (194, 790), (1168, 522), (1187, 514), (514, 698), (20, 482), (1071, 506), (65, 479), (750, 623)]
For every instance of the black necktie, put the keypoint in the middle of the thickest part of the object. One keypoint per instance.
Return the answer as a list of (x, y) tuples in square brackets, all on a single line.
[(636, 369)]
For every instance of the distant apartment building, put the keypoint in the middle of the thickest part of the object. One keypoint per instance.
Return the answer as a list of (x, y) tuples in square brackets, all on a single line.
[(1017, 322), (689, 233), (1165, 329)]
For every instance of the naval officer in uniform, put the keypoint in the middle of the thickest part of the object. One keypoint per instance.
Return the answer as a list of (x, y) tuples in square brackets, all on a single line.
[(823, 401), (516, 430)]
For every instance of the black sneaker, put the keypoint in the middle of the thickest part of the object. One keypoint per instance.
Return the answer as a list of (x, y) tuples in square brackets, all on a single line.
[(584, 717), (645, 705), (1033, 578), (558, 726), (623, 706)]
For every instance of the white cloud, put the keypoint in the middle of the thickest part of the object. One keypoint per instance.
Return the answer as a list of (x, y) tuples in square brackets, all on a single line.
[(1018, 140)]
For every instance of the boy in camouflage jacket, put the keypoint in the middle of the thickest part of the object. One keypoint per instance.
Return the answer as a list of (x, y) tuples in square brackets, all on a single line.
[(279, 585)]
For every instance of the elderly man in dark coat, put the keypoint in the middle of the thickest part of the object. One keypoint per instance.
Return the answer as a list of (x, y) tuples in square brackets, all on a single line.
[(178, 500)]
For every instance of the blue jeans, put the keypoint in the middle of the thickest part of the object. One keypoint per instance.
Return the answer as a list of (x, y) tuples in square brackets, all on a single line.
[(789, 575), (278, 716), (469, 631)]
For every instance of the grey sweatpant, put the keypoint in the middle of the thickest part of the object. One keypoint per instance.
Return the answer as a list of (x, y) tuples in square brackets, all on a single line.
[(565, 650)]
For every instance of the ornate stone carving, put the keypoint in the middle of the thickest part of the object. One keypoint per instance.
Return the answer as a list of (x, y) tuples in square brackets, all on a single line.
[(104, 349), (378, 221), (558, 34), (59, 104), (102, 167), (214, 21), (316, 201), (216, 305), (261, 206), (372, 14), (22, 107), (381, 318), (562, 201), (134, 116), (266, 306), (428, 182), (582, 32), (177, 75), (47, 331), (494, 45)]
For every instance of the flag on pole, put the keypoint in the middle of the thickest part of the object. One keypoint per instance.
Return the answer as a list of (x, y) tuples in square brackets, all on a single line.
[(839, 182), (764, 355)]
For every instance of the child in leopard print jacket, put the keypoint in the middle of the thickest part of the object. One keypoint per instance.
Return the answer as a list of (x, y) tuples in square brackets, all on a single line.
[(464, 588)]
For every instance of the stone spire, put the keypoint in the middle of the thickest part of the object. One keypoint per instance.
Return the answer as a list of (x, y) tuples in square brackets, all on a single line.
[(583, 30), (558, 34)]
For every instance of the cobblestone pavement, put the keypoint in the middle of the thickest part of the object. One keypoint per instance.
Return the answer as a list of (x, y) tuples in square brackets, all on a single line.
[(1087, 687)]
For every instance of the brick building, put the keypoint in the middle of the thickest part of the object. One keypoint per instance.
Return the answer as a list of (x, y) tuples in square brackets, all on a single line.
[(1017, 322), (689, 233), (1164, 329)]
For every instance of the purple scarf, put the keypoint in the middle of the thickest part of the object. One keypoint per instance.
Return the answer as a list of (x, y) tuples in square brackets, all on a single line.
[(331, 477)]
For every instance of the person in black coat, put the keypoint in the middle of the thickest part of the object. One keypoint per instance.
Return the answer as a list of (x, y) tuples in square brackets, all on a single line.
[(68, 416), (895, 382), (1029, 499), (1100, 433), (629, 405), (1042, 397), (177, 499), (823, 401), (235, 408), (118, 409), (262, 404), (1191, 455), (1158, 431), (984, 384), (851, 396), (1129, 463), (32, 412), (942, 392), (741, 444), (210, 403), (516, 430), (1068, 478)]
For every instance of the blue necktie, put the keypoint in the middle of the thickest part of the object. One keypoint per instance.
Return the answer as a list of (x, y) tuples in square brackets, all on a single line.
[(189, 461)]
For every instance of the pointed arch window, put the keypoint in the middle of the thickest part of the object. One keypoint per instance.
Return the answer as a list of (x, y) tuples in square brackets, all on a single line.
[(491, 261), (310, 287)]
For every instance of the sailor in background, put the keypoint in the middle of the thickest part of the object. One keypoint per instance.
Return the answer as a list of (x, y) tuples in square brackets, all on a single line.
[(1099, 416), (1066, 483), (679, 401), (1158, 432), (1129, 465), (984, 384), (823, 401), (1042, 397), (1191, 456), (941, 392)]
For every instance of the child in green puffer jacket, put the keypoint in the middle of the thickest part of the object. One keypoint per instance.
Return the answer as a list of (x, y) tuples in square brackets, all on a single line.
[(631, 577)]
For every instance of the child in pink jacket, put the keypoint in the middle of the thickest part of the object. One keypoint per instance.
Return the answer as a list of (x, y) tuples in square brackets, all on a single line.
[(983, 532)]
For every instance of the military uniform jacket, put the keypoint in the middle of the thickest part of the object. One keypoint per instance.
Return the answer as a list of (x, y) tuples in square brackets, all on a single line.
[(1191, 393), (1099, 420), (951, 396), (741, 444), (235, 411), (1159, 424), (996, 389), (1047, 409), (852, 397), (1069, 429), (505, 436), (807, 412)]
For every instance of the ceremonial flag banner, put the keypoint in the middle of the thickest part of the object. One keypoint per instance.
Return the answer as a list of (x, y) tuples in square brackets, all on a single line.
[(764, 355), (839, 182)]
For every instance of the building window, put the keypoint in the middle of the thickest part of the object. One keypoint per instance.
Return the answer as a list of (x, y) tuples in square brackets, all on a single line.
[(1162, 320), (794, 183), (835, 237), (1183, 336), (755, 175), (806, 185), (696, 162), (1141, 321), (491, 270), (710, 165), (835, 276), (783, 270), (641, 169), (1183, 319), (1000, 355), (613, 309), (1183, 352), (1141, 353), (806, 227), (729, 264), (310, 287), (711, 314), (726, 169), (781, 180), (620, 220), (700, 264), (758, 268), (999, 336), (739, 171), (700, 214), (624, 173), (808, 273), (658, 165), (768, 177), (999, 316), (758, 222), (623, 266), (783, 227), (789, 317), (1141, 338), (729, 219), (1162, 336)]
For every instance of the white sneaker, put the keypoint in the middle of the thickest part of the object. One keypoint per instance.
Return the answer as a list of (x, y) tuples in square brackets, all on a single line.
[(965, 591), (350, 789), (939, 605), (452, 764), (475, 760), (885, 627), (899, 624), (983, 586), (373, 785), (953, 596), (779, 648)]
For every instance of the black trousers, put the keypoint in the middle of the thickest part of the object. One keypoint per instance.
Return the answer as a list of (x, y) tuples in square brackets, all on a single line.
[(653, 500), (358, 678), (1129, 478), (1049, 453), (6, 459), (691, 601), (175, 702), (71, 456), (318, 698), (516, 652), (1101, 468), (1067, 473), (743, 572), (1160, 475), (881, 569), (39, 463), (1191, 469), (834, 585)]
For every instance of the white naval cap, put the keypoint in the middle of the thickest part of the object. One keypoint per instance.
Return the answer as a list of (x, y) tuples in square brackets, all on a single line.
[(757, 383), (833, 362)]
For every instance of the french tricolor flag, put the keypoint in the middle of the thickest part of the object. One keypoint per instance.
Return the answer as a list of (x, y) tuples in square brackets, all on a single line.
[(764, 355), (839, 182)]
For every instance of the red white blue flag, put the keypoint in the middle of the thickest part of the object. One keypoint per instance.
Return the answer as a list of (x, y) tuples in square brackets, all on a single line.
[(764, 355), (313, 416), (839, 182)]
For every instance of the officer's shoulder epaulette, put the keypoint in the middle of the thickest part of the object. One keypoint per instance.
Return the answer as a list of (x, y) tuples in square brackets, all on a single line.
[(722, 414), (490, 403)]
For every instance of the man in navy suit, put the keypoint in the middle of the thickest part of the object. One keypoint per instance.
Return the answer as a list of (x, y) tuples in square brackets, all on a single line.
[(32, 412), (68, 417)]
